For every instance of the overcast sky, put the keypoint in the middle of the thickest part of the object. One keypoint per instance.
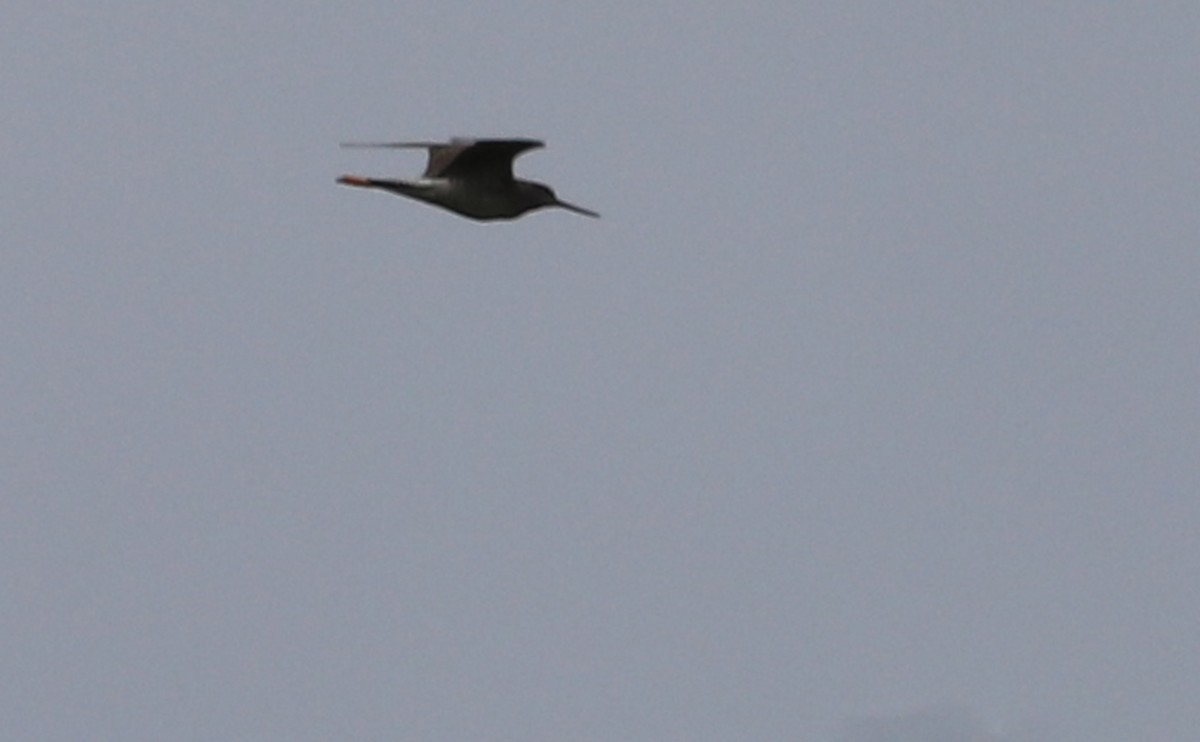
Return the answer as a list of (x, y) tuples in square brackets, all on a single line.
[(868, 412)]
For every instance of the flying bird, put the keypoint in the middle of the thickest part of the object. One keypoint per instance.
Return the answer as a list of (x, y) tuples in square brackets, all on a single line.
[(471, 177)]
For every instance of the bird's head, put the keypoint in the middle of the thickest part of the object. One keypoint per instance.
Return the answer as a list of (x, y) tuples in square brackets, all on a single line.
[(542, 195)]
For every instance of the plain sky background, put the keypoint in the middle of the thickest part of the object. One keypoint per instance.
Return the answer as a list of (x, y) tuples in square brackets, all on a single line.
[(868, 412)]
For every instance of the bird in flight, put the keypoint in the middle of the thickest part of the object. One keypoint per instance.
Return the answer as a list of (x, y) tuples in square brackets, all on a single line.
[(471, 177)]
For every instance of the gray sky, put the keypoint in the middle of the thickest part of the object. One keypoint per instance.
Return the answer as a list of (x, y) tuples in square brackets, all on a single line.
[(867, 413)]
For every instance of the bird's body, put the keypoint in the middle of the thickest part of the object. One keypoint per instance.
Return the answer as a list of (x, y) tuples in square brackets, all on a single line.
[(471, 177)]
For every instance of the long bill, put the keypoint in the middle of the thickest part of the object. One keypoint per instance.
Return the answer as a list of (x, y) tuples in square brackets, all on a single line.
[(576, 209)]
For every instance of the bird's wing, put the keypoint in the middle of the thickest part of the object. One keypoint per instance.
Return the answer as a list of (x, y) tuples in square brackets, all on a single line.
[(437, 151), (465, 158), (394, 145), (479, 159)]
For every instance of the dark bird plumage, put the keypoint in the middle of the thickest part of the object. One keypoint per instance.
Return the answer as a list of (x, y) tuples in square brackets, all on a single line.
[(471, 177)]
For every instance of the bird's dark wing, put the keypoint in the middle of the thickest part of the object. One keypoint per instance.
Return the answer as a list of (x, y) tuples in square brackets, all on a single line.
[(478, 159), (481, 159)]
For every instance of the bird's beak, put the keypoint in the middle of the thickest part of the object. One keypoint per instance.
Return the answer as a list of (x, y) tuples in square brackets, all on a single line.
[(576, 209)]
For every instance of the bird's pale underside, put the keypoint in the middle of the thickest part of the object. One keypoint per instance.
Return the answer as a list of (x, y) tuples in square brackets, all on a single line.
[(471, 177)]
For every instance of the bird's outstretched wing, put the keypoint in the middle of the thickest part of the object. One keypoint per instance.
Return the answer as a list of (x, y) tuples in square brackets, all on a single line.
[(474, 159)]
